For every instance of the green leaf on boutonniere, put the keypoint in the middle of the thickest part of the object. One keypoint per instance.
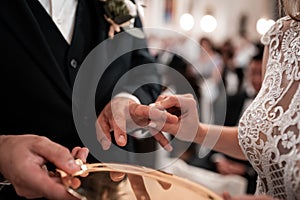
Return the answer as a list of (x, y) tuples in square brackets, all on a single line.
[(120, 14), (120, 11)]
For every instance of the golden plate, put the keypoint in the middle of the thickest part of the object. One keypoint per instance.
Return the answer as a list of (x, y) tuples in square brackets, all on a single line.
[(111, 181)]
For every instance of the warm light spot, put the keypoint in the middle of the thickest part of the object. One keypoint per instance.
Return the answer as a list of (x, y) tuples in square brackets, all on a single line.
[(263, 25), (208, 23), (187, 21)]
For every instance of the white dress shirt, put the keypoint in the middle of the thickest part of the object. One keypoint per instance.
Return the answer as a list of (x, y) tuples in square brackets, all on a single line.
[(62, 13)]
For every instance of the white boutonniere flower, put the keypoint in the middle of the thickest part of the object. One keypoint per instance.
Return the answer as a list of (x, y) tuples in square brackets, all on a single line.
[(121, 15)]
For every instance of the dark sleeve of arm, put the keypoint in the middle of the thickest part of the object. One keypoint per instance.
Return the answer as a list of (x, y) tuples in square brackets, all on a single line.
[(145, 81)]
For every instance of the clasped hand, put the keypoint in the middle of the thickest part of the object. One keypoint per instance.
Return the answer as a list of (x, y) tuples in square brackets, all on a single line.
[(123, 115)]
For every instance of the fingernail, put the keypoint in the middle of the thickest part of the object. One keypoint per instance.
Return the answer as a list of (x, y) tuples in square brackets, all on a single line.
[(168, 147), (105, 144), (72, 165), (86, 154), (152, 125), (87, 151), (122, 139), (152, 105)]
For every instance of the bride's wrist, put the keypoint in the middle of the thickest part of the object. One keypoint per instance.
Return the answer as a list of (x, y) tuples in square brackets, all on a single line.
[(201, 133)]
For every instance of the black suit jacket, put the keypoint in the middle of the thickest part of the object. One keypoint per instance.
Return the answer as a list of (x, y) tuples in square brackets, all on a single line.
[(35, 95)]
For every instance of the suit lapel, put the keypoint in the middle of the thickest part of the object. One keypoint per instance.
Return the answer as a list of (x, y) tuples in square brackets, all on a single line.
[(18, 17)]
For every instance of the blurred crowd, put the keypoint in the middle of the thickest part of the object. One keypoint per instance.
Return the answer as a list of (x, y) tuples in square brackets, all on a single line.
[(224, 78)]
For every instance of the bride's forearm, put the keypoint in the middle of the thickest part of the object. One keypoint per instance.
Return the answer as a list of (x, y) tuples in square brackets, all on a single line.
[(220, 138)]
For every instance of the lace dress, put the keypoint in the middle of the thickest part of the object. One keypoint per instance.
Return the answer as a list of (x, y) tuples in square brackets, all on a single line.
[(269, 130)]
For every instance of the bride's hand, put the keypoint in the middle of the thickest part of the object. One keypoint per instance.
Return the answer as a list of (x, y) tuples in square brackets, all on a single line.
[(185, 107)]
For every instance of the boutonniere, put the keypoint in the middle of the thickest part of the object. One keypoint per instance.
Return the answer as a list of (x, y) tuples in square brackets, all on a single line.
[(120, 14)]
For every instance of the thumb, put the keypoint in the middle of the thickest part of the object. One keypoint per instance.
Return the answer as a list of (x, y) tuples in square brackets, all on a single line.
[(55, 153)]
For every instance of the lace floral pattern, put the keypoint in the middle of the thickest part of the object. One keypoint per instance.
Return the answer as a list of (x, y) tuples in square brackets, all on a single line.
[(269, 130)]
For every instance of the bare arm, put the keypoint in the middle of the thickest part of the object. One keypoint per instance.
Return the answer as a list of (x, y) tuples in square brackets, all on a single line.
[(188, 127), (220, 138), (265, 59)]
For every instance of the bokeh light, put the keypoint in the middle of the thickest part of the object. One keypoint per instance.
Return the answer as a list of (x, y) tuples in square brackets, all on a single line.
[(263, 25), (208, 23), (187, 21)]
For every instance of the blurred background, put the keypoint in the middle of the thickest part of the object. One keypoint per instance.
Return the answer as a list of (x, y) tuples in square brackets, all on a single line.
[(224, 71), (218, 19)]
